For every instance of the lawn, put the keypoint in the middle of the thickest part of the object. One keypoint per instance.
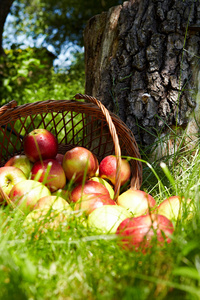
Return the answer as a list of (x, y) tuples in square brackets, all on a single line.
[(75, 262)]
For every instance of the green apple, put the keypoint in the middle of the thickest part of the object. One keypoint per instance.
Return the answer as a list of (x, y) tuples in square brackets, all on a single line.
[(174, 206), (22, 162), (53, 202), (9, 176), (41, 219), (107, 218), (137, 201), (106, 184)]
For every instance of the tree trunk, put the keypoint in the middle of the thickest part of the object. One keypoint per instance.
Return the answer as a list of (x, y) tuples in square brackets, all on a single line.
[(5, 6), (142, 63)]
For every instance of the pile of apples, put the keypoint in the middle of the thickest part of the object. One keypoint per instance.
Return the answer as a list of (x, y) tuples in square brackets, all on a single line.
[(42, 180)]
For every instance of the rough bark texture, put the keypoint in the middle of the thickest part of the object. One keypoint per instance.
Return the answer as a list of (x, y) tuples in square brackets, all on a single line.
[(142, 63)]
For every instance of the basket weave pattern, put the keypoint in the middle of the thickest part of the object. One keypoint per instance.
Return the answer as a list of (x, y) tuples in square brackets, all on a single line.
[(74, 123)]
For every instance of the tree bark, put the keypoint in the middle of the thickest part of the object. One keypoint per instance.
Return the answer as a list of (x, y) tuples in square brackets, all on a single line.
[(142, 61), (5, 6)]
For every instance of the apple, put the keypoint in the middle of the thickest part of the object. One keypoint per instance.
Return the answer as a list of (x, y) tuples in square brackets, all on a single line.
[(49, 172), (52, 202), (108, 166), (39, 221), (59, 157), (9, 176), (79, 163), (137, 201), (22, 162), (106, 184), (138, 232), (26, 193), (173, 207), (40, 144), (107, 218), (90, 187), (90, 202)]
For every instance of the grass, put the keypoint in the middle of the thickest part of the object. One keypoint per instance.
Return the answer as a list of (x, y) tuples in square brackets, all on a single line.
[(74, 262)]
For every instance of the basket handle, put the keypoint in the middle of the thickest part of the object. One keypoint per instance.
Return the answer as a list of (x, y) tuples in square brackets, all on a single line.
[(7, 106), (114, 137)]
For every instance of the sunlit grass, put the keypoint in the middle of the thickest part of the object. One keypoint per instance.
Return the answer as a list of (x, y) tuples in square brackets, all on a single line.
[(74, 262)]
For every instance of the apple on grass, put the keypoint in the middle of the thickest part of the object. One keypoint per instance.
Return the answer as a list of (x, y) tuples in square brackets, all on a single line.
[(106, 184), (174, 206), (79, 163), (49, 212), (89, 187), (54, 203), (40, 220), (26, 193), (9, 176), (108, 168), (107, 218), (22, 162), (49, 172), (136, 201), (90, 202), (40, 144), (138, 233)]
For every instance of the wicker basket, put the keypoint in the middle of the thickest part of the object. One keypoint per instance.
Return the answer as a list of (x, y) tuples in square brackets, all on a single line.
[(74, 123)]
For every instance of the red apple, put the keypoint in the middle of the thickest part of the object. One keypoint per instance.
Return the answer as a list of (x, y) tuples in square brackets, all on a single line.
[(22, 162), (139, 232), (26, 193), (54, 177), (106, 184), (108, 166), (40, 144), (137, 201), (9, 176), (90, 202), (79, 163), (173, 207), (59, 157), (107, 218), (90, 187)]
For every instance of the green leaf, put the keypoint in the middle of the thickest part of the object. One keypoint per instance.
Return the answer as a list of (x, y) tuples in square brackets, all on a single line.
[(188, 272), (23, 72)]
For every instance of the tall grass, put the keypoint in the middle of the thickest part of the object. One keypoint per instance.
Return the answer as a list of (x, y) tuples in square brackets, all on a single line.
[(74, 262)]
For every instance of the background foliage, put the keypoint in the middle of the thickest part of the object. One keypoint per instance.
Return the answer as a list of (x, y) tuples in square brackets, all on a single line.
[(28, 75)]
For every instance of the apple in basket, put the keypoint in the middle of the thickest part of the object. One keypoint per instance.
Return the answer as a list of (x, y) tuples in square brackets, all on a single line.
[(105, 183), (22, 162), (79, 163), (26, 193), (9, 176), (138, 233), (40, 144), (137, 201), (50, 172), (89, 187), (107, 218), (59, 157), (108, 166), (90, 202)]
